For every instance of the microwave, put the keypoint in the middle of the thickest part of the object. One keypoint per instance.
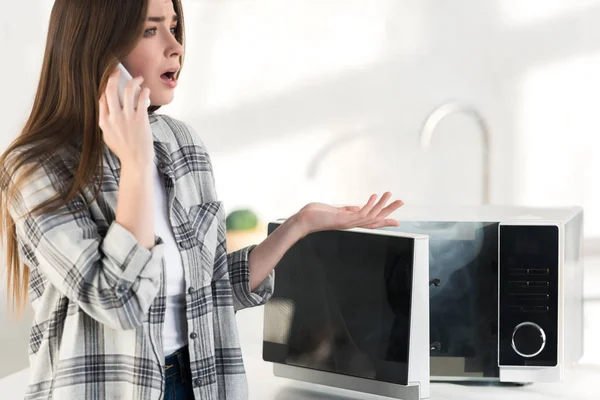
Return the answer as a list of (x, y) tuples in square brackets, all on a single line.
[(507, 305), (351, 310)]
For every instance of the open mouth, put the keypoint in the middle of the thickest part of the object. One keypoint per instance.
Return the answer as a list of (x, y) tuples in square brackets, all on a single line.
[(168, 76)]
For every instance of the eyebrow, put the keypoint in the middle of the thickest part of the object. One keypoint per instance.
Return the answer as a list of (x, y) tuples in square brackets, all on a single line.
[(161, 19)]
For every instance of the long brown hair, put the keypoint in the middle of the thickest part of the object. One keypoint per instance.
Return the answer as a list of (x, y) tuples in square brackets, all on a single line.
[(86, 40)]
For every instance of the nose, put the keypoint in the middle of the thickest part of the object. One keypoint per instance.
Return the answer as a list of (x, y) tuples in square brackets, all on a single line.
[(174, 49)]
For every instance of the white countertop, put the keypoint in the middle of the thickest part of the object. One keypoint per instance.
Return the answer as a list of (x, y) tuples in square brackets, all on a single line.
[(580, 387)]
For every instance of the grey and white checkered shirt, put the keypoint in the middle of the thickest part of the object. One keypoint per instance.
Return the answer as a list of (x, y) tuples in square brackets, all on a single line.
[(98, 296)]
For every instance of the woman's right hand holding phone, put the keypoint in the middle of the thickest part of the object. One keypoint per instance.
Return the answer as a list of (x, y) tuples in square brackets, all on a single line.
[(126, 129), (126, 132)]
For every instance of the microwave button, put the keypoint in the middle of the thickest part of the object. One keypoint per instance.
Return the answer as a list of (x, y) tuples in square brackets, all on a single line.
[(540, 284), (528, 339), (535, 309), (538, 271), (518, 271)]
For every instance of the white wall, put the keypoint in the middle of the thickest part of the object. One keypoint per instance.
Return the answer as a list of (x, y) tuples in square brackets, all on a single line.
[(14, 338), (267, 83)]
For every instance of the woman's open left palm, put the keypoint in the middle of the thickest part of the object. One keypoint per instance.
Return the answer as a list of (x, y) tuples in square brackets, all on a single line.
[(321, 217)]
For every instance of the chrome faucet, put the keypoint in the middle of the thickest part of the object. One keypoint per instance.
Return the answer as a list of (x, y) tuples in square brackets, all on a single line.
[(441, 112), (318, 157)]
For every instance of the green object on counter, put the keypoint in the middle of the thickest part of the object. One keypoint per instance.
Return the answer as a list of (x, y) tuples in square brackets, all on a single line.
[(241, 220)]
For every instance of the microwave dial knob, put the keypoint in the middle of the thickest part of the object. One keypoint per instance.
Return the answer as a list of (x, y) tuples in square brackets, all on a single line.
[(528, 339)]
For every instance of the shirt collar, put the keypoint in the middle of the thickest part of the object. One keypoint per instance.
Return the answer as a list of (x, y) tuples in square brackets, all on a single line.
[(160, 131)]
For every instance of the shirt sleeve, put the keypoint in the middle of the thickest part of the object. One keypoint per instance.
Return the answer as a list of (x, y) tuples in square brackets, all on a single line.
[(239, 275), (112, 278)]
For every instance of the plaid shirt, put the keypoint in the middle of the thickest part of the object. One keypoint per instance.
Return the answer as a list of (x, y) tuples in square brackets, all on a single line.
[(98, 296)]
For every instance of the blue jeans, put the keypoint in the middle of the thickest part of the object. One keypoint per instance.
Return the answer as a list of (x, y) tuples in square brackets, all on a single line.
[(178, 378)]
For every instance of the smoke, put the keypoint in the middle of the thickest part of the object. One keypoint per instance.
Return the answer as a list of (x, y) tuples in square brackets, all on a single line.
[(462, 255), (452, 247)]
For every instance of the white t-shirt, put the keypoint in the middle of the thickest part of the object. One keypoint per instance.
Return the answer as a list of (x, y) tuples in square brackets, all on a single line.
[(175, 326)]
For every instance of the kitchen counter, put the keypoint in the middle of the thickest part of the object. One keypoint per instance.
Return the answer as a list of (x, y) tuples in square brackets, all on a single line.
[(581, 385)]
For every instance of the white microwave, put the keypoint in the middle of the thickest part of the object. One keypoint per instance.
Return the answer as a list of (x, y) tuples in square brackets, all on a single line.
[(508, 307), (504, 302)]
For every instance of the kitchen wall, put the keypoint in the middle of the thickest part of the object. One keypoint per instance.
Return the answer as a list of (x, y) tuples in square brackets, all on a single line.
[(14, 338), (269, 84)]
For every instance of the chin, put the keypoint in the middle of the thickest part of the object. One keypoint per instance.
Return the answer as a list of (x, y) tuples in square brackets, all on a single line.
[(161, 100)]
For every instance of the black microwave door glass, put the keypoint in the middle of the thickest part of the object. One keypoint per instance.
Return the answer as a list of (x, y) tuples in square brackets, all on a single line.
[(342, 304)]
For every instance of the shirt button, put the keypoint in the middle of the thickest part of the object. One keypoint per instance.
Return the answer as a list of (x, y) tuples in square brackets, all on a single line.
[(191, 290), (193, 335), (122, 288), (197, 382), (181, 245)]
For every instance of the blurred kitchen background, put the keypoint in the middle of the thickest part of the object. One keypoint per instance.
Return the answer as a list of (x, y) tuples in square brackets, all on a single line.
[(327, 100)]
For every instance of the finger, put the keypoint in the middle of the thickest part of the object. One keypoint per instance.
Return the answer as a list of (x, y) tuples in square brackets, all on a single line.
[(390, 209), (112, 94), (367, 207), (144, 101), (379, 206), (129, 102), (102, 110)]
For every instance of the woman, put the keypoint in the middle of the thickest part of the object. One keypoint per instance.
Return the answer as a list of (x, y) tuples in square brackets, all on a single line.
[(112, 224)]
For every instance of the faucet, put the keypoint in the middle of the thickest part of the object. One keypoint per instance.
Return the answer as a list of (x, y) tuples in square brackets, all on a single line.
[(318, 157), (441, 112)]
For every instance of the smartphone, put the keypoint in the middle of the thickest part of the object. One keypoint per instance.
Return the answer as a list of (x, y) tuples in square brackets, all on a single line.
[(124, 78)]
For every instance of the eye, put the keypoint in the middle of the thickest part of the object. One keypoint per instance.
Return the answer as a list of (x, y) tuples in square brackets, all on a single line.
[(174, 30), (149, 32)]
